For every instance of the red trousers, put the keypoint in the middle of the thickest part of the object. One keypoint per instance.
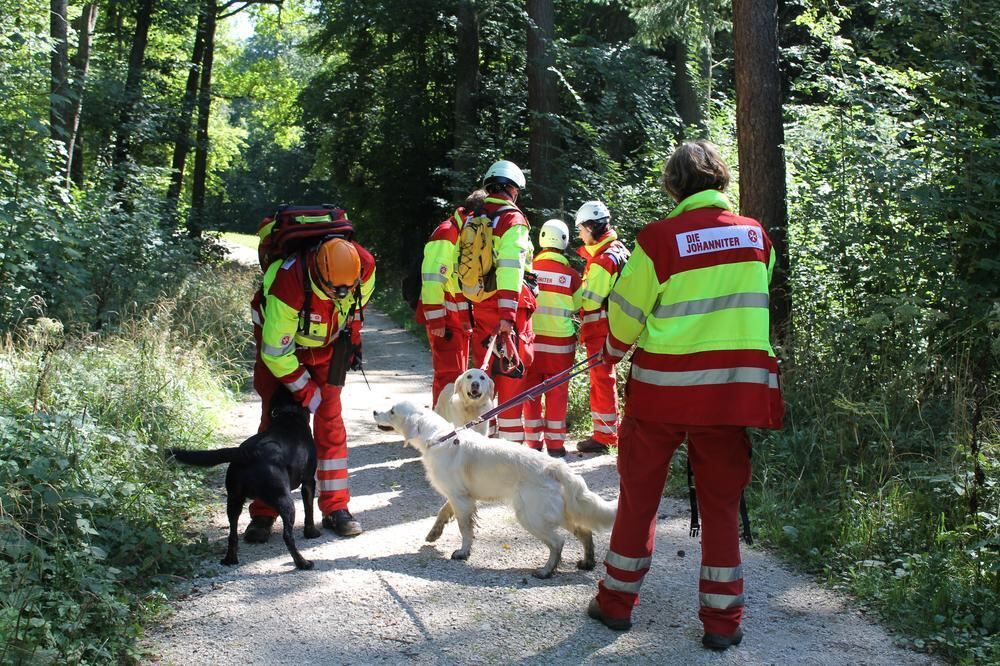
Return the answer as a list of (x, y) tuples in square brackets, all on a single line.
[(720, 459), (545, 416), (603, 396), (487, 322), (449, 358), (328, 431)]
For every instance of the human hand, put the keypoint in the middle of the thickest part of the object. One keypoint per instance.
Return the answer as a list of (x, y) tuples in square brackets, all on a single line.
[(506, 326), (438, 332)]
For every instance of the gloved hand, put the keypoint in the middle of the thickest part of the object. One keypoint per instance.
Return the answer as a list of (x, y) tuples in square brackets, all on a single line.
[(506, 326), (309, 396), (356, 358)]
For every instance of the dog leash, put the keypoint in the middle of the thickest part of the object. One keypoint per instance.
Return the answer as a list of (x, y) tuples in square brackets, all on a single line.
[(555, 380), (489, 352)]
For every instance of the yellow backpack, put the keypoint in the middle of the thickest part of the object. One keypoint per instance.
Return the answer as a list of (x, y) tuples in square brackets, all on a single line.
[(477, 274)]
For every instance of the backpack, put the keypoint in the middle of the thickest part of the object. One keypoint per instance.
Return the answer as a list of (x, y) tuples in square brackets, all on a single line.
[(477, 276), (293, 228)]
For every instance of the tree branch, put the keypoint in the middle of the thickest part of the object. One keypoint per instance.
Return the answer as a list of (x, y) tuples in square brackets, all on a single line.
[(221, 13)]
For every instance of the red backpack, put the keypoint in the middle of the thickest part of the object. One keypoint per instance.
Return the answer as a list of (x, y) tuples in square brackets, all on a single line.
[(293, 228)]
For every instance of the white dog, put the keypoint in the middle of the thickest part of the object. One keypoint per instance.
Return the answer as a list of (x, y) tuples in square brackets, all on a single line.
[(466, 467), (467, 398)]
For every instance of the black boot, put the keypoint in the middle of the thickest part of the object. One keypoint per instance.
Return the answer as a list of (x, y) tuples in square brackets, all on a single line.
[(720, 642), (342, 523), (557, 453), (614, 623), (591, 445), (259, 529)]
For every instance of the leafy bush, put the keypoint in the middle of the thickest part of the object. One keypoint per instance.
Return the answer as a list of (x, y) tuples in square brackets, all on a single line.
[(92, 519)]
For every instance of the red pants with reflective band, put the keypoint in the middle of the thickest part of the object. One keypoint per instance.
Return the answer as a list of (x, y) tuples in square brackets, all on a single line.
[(449, 358), (545, 416), (487, 320), (603, 396), (328, 431), (720, 459)]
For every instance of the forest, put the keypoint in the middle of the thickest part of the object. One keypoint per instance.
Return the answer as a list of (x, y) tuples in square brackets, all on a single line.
[(865, 136)]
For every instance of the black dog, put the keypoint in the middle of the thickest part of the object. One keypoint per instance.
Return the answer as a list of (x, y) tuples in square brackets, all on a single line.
[(268, 467)]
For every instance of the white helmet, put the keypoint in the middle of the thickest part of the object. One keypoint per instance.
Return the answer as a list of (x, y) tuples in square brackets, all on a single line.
[(593, 211), (506, 173), (554, 233)]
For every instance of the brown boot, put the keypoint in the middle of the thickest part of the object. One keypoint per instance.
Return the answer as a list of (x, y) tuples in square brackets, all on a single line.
[(259, 529)]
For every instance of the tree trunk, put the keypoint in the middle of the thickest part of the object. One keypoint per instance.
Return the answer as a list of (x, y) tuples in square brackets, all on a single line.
[(59, 104), (198, 178), (132, 92), (466, 85), (182, 142), (80, 64), (690, 106), (542, 104), (760, 136)]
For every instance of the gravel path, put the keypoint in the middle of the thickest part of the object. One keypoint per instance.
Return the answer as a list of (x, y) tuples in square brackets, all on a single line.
[(388, 597)]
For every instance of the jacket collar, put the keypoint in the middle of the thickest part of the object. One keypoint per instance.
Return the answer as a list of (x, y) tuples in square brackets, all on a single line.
[(552, 255), (703, 199), (588, 251)]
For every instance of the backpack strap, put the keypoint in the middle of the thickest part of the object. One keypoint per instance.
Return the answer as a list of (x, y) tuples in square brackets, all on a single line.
[(306, 310)]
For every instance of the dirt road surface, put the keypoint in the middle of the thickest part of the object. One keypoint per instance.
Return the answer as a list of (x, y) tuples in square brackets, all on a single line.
[(388, 597)]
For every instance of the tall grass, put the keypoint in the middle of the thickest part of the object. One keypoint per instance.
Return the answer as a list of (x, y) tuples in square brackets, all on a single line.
[(92, 519)]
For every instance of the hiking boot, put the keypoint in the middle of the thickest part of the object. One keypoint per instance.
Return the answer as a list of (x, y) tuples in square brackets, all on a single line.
[(557, 453), (721, 642), (342, 523), (259, 529), (591, 445), (616, 624)]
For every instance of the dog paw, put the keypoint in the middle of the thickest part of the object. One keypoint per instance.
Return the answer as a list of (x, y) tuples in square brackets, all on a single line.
[(229, 561), (586, 565), (460, 555), (305, 565), (311, 532), (434, 534), (542, 573)]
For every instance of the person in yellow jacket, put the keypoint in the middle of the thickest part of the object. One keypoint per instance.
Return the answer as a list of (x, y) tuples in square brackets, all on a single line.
[(605, 255), (304, 304), (694, 298), (559, 298)]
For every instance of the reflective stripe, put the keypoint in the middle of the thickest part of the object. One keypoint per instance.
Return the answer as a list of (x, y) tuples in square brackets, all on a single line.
[(627, 563), (256, 318), (706, 305), (555, 425), (608, 429), (533, 423), (314, 338), (722, 574), (594, 316), (554, 349), (507, 303), (614, 353), (613, 583), (610, 418), (271, 350), (591, 295), (456, 307), (331, 484), (508, 263), (509, 423), (299, 383), (331, 464), (314, 402), (721, 601), (434, 277), (511, 436), (555, 436), (434, 314), (627, 308), (772, 380), (533, 436), (702, 377), (555, 312)]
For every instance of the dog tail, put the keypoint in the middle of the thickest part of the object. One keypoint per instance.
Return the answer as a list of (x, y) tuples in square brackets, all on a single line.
[(205, 458), (584, 507)]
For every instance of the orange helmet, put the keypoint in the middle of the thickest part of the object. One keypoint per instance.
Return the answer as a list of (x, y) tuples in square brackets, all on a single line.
[(336, 267)]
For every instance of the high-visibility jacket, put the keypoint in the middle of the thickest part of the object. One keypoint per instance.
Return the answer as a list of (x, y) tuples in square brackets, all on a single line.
[(512, 250), (279, 308), (559, 296), (604, 262), (694, 294), (441, 301)]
